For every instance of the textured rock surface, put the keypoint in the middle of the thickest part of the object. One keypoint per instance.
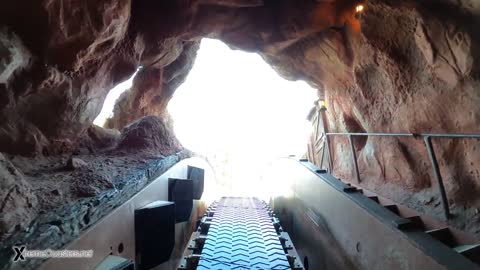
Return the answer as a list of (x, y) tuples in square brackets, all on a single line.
[(69, 49), (150, 133), (413, 71), (45, 202), (97, 138), (75, 164), (64, 215), (152, 89), (401, 66), (407, 68), (58, 179), (18, 203)]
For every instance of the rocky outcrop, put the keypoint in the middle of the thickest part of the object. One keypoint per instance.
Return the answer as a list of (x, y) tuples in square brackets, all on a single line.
[(150, 133), (17, 201), (98, 139), (152, 89), (62, 68), (67, 206), (34, 190)]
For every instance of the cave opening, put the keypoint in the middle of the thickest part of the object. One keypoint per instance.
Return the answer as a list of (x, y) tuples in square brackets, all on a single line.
[(235, 110), (111, 99)]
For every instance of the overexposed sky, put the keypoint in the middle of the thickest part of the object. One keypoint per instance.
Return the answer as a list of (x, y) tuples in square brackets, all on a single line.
[(109, 103), (235, 100), (234, 104)]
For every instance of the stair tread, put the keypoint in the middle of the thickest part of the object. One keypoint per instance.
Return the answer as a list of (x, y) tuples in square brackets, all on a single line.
[(464, 248), (438, 230), (443, 235), (392, 207)]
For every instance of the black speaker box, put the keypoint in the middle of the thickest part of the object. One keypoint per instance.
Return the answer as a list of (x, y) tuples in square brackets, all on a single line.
[(180, 191), (197, 175), (154, 234)]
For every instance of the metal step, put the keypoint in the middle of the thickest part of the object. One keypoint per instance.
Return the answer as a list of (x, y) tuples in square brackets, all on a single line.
[(393, 208), (422, 231), (443, 235), (472, 252), (417, 220)]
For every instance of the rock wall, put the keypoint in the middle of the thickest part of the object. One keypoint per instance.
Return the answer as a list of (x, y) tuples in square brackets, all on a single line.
[(58, 62), (40, 185), (61, 59), (414, 69), (408, 66)]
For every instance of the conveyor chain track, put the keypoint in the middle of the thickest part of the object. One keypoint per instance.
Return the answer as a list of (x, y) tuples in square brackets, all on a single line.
[(240, 233)]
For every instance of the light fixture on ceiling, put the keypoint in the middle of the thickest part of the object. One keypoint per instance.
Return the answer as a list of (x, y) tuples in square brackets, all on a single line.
[(359, 8)]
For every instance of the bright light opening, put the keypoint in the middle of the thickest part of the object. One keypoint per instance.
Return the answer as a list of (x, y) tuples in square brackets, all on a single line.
[(238, 112), (111, 99)]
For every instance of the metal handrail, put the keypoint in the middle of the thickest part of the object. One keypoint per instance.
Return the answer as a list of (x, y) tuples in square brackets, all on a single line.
[(436, 135), (427, 137)]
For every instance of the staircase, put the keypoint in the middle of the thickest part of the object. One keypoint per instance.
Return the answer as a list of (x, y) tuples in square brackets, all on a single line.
[(460, 242)]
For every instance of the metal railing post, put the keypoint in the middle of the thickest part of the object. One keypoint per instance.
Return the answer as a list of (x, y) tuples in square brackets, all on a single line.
[(354, 158), (438, 176), (323, 152), (330, 161)]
